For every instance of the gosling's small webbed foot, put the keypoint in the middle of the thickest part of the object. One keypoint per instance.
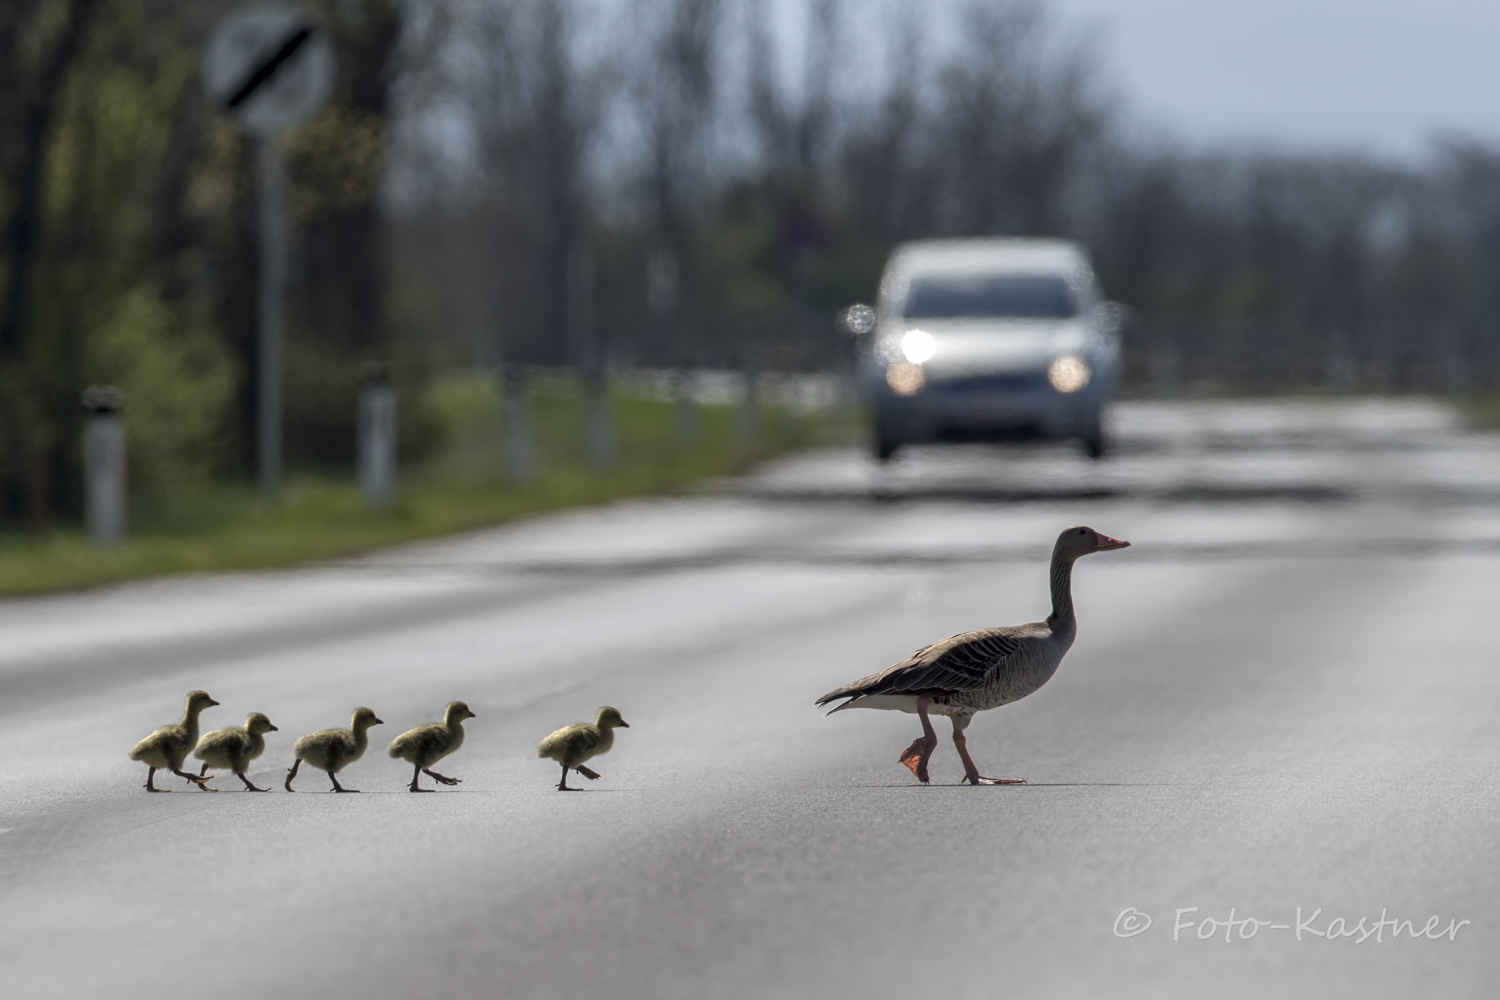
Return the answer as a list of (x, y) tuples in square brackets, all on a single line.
[(915, 757), (351, 791), (979, 779), (250, 786), (152, 788), (588, 773), (195, 779), (413, 788), (441, 778)]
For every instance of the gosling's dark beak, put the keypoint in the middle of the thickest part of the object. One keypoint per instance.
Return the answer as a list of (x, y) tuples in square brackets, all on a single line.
[(378, 722), (473, 715), (624, 724), (211, 702), (1106, 543), (274, 729)]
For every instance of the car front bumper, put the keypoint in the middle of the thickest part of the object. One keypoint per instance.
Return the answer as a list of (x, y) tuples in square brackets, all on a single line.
[(995, 406)]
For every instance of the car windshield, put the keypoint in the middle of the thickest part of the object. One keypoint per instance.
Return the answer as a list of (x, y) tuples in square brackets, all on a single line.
[(987, 296)]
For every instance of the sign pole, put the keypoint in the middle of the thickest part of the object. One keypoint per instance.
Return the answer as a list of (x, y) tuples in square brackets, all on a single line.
[(270, 67), (272, 283)]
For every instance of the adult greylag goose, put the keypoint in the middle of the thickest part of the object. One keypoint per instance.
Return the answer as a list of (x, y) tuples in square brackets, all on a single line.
[(426, 745), (167, 748), (234, 748), (571, 745), (979, 670), (330, 750)]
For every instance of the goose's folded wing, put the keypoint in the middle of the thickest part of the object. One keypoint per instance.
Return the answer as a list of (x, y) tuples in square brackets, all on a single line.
[(423, 740), (960, 663), (438, 739), (585, 738)]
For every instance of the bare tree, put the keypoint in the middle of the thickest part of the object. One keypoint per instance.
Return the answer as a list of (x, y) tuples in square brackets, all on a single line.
[(535, 105), (885, 167), (795, 120), (1018, 112)]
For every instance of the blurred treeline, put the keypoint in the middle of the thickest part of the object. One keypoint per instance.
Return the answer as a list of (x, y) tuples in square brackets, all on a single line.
[(660, 183)]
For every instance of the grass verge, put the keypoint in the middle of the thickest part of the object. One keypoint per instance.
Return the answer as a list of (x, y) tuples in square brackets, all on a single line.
[(1480, 409), (226, 527)]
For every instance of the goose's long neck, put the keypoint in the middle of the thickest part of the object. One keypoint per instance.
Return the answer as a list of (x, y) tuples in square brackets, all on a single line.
[(361, 737), (190, 723), (1061, 617)]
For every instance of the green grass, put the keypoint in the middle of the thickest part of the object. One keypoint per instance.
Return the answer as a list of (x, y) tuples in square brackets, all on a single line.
[(1480, 409), (226, 527)]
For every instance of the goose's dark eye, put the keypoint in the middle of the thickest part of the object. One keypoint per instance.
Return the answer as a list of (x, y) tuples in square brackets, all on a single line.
[(1083, 531)]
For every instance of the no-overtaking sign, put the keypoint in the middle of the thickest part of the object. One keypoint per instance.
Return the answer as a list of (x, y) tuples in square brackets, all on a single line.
[(267, 65)]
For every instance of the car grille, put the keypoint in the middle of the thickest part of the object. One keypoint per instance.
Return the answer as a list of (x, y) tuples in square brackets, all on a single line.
[(1003, 382)]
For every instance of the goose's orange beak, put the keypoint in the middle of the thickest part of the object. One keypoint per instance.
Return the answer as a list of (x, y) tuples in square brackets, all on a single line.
[(1106, 543)]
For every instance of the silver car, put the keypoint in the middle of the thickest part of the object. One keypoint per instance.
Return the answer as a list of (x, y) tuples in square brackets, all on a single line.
[(989, 340)]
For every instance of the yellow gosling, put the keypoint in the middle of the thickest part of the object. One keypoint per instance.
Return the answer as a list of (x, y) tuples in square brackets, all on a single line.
[(233, 749), (426, 745), (168, 747), (329, 750), (571, 745)]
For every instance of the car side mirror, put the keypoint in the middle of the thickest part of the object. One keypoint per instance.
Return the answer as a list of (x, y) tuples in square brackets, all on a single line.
[(857, 320)]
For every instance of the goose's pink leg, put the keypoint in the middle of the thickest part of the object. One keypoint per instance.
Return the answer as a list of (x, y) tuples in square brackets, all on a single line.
[(919, 753), (971, 773)]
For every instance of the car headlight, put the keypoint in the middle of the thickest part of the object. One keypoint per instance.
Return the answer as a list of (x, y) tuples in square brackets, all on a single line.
[(1069, 373), (917, 346), (905, 378)]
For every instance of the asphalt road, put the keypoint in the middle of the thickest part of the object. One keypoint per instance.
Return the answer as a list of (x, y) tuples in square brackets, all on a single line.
[(1285, 695)]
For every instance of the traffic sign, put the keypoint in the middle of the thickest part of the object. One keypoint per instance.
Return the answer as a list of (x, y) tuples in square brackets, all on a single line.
[(269, 66)]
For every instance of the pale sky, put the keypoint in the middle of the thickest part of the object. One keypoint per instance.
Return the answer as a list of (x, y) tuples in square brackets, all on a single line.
[(1383, 75)]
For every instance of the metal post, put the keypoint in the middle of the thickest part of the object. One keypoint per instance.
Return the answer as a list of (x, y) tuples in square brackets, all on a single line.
[(598, 432), (601, 437), (684, 406), (377, 438), (663, 293), (520, 461), (104, 464), (749, 422), (272, 282)]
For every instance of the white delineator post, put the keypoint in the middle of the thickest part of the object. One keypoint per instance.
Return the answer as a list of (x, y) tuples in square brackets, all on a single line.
[(377, 441), (104, 464)]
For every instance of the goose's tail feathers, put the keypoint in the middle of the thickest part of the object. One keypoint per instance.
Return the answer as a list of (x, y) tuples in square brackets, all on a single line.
[(835, 696)]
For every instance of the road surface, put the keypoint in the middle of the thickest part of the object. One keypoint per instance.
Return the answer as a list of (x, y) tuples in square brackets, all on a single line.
[(1283, 707)]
